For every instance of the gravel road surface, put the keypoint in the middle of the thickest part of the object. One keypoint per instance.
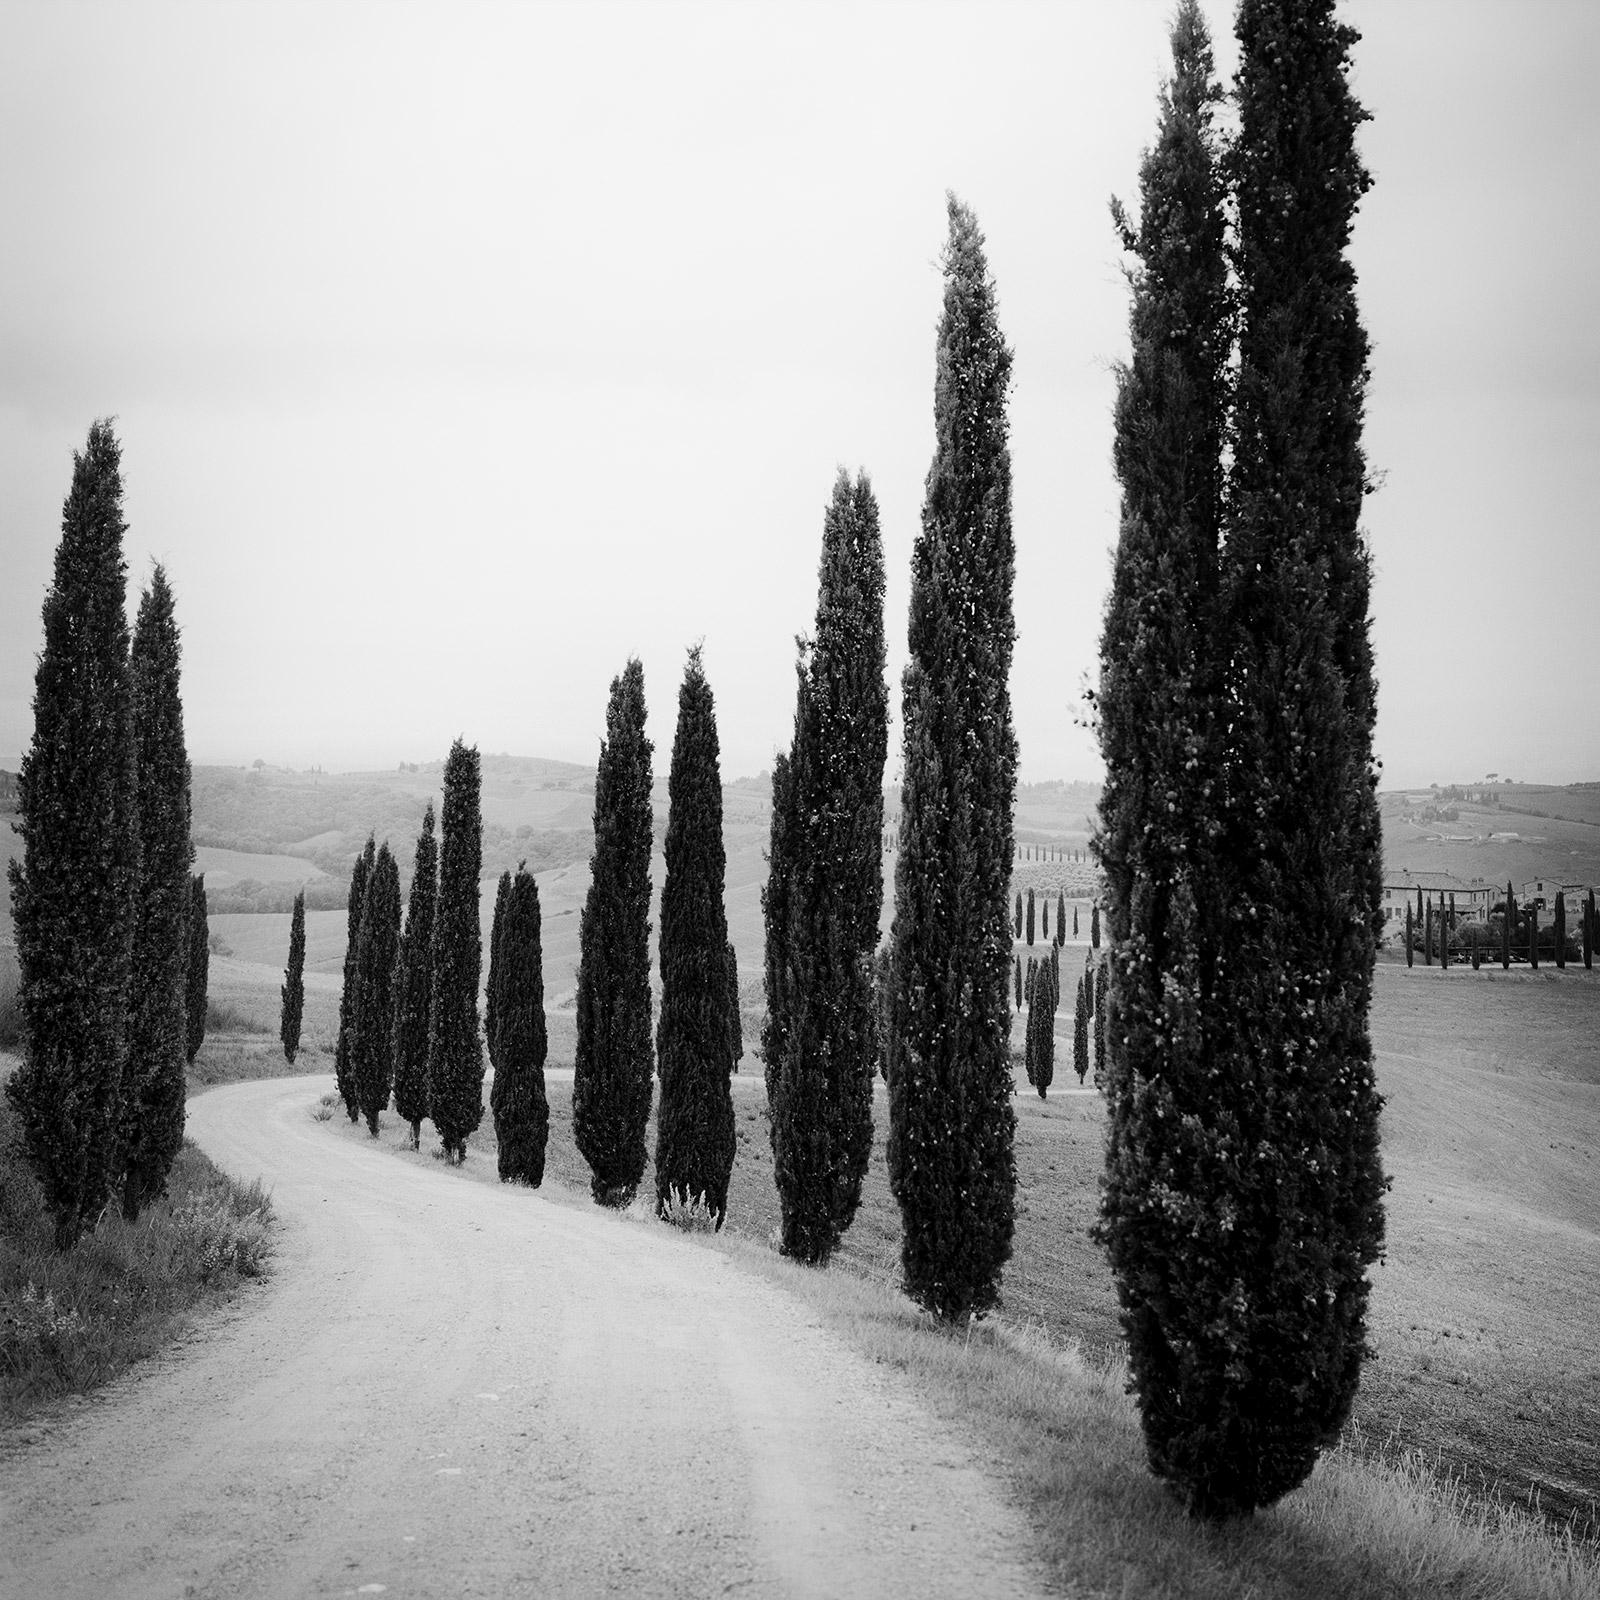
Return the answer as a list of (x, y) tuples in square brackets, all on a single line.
[(450, 1388)]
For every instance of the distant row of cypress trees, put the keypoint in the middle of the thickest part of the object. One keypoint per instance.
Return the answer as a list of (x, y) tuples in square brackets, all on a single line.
[(112, 1002)]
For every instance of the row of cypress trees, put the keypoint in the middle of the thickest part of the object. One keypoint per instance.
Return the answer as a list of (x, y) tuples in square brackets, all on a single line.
[(1239, 826), (101, 896)]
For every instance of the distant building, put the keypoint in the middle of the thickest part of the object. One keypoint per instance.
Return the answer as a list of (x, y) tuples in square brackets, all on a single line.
[(1542, 893), (1473, 901)]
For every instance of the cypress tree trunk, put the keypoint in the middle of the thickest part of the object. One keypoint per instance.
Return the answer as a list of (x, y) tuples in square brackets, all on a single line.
[(377, 945), (491, 995), (343, 1069), (153, 1093), (517, 1098), (294, 982), (197, 979), (695, 1130), (413, 998), (72, 891), (951, 1162), (826, 880), (612, 1081), (455, 1052), (1246, 1305)]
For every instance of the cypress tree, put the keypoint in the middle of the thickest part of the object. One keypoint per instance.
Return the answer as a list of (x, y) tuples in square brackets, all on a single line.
[(153, 1090), (821, 1096), (1019, 914), (952, 1165), (1447, 921), (72, 891), (1506, 926), (1046, 997), (343, 1070), (1080, 1032), (1427, 935), (694, 1130), (197, 979), (1074, 920), (612, 1079), (1101, 1020), (1561, 931), (1588, 932), (413, 994), (517, 1097), (1019, 982), (294, 981), (455, 1052), (1029, 923), (491, 994), (1410, 959), (377, 945), (783, 848), (1044, 914), (1061, 917), (1244, 1294), (1094, 926), (1533, 934), (735, 1021)]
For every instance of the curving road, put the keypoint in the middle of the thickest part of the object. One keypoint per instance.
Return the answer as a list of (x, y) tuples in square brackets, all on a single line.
[(450, 1388)]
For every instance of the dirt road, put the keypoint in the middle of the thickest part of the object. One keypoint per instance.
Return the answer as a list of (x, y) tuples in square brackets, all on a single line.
[(451, 1388)]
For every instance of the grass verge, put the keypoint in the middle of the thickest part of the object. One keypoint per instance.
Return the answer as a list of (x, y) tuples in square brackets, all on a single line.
[(70, 1323)]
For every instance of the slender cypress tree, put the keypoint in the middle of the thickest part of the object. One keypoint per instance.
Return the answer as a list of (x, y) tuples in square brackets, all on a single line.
[(1506, 928), (377, 946), (612, 1079), (783, 846), (1102, 974), (821, 1096), (294, 982), (735, 1021), (153, 1088), (1561, 931), (455, 1052), (1044, 919), (1410, 959), (1028, 925), (695, 1130), (1061, 917), (1588, 932), (1019, 982), (1074, 921), (1427, 934), (1019, 914), (197, 979), (413, 994), (1080, 1032), (72, 891), (517, 1098), (343, 1069), (1094, 926), (1042, 1027), (1533, 934), (491, 993), (952, 1165), (1244, 1294)]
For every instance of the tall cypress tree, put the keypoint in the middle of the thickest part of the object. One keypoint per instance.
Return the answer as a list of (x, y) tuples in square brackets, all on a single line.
[(413, 996), (694, 1131), (343, 1068), (735, 1020), (1507, 927), (377, 945), (951, 1125), (1244, 1295), (1028, 921), (293, 992), (72, 891), (826, 877), (491, 992), (1061, 917), (153, 1089), (1080, 1032), (198, 978), (1588, 932), (517, 1098), (612, 1071), (1561, 930), (455, 1051), (1410, 959)]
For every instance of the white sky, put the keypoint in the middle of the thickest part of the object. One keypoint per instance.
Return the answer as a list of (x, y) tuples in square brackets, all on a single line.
[(459, 352)]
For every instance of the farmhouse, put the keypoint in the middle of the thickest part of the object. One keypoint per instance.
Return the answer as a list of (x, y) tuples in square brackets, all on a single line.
[(1542, 893), (1473, 900)]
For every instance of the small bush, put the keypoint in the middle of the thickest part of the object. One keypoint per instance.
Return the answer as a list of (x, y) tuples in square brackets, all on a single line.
[(223, 1017), (690, 1215), (223, 1230)]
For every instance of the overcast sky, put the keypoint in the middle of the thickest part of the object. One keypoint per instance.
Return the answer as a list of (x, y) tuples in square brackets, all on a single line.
[(460, 352)]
